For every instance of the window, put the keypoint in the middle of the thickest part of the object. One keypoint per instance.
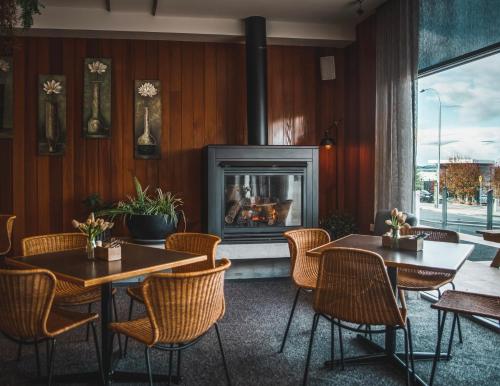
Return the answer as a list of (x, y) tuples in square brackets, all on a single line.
[(466, 99)]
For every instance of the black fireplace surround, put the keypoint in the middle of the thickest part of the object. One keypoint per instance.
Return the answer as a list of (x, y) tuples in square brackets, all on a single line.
[(255, 193)]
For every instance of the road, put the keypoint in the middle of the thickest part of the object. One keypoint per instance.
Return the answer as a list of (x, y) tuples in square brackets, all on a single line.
[(457, 215)]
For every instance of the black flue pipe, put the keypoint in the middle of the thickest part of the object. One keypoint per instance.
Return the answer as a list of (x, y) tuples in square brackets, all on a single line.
[(256, 52)]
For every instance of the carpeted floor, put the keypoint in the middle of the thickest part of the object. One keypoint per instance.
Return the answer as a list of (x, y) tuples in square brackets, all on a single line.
[(252, 330)]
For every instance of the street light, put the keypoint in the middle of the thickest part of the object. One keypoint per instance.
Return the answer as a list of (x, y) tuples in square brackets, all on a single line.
[(436, 201)]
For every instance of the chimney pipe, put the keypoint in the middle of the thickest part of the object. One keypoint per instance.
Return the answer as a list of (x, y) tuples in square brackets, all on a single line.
[(256, 60)]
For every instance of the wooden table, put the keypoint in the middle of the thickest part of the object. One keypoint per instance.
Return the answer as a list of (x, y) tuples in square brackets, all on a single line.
[(73, 265), (437, 256)]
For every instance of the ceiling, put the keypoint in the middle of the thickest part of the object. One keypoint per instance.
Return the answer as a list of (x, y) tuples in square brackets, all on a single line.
[(310, 11)]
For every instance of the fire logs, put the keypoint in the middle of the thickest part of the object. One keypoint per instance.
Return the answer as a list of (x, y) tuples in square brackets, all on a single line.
[(232, 212)]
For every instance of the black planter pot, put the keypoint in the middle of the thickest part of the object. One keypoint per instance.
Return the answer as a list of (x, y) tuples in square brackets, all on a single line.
[(150, 229)]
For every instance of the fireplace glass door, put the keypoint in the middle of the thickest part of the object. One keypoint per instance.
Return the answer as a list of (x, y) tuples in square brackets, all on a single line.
[(261, 200)]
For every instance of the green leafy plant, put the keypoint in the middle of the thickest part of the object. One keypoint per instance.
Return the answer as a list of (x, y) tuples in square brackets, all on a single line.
[(162, 203), (339, 224)]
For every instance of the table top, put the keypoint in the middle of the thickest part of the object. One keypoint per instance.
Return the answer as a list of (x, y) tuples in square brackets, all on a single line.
[(73, 265), (437, 256)]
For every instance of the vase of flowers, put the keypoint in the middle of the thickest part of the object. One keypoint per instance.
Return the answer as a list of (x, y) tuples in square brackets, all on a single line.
[(92, 228), (52, 89), (396, 223), (94, 124)]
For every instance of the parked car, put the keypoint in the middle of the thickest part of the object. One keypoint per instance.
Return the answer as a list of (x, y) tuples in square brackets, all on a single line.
[(426, 196)]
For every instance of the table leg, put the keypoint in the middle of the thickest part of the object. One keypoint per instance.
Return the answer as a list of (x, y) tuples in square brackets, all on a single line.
[(106, 335), (390, 334)]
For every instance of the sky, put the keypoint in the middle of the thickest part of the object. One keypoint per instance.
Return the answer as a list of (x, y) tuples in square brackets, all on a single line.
[(470, 95)]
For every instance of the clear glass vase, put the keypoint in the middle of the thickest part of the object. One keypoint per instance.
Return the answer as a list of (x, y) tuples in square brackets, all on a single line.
[(91, 244), (396, 235)]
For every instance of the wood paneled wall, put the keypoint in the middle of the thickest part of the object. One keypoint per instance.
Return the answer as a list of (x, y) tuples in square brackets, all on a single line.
[(204, 102)]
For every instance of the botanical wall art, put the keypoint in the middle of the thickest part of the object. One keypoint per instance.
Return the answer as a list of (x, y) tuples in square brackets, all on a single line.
[(6, 97), (147, 122), (51, 114), (97, 98)]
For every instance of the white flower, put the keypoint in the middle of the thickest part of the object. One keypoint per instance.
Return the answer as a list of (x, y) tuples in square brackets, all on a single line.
[(4, 65), (98, 67), (52, 87), (147, 90)]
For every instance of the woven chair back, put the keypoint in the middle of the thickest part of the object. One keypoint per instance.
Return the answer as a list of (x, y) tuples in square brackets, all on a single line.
[(25, 302), (303, 267), (199, 243), (434, 234), (353, 286), (6, 224), (53, 243), (183, 306)]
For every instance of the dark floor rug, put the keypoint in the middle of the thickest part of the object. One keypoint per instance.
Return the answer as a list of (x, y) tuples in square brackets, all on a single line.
[(252, 330)]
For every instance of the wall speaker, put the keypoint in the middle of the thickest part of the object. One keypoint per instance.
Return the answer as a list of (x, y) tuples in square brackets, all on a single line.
[(327, 66)]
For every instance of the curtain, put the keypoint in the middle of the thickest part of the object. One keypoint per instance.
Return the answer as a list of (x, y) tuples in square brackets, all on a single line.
[(458, 28), (396, 72)]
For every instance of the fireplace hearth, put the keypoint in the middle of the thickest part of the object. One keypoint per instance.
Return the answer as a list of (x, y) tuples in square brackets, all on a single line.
[(255, 193)]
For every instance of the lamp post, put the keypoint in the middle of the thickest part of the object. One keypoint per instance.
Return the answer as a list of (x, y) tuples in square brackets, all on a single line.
[(436, 200)]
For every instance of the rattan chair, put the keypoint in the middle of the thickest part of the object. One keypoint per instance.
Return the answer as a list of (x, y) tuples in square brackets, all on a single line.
[(304, 269), (353, 287), (27, 315), (181, 308), (6, 225), (413, 279), (199, 243), (67, 294), (464, 303)]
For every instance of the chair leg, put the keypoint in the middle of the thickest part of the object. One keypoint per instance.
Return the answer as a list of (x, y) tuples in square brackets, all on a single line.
[(170, 364), (438, 349), (130, 309), (179, 364), (452, 334), (460, 336), (37, 354), (290, 320), (51, 360), (19, 350), (410, 343), (89, 310), (341, 344), (407, 363), (148, 366), (309, 351), (332, 348), (439, 311), (98, 353), (115, 309), (226, 370)]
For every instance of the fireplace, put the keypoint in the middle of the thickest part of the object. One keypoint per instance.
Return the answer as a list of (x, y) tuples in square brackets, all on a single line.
[(255, 193)]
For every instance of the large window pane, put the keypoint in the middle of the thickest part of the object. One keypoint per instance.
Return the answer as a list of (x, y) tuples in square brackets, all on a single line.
[(466, 99)]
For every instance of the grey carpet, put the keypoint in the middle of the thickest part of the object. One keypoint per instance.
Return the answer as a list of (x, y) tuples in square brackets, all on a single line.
[(252, 330)]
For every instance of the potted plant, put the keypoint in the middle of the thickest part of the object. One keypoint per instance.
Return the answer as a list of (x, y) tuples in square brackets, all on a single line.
[(149, 218), (339, 224)]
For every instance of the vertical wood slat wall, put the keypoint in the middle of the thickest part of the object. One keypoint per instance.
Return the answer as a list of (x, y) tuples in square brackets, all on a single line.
[(203, 102)]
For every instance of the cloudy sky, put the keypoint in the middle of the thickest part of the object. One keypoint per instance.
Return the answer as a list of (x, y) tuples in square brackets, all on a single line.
[(470, 95)]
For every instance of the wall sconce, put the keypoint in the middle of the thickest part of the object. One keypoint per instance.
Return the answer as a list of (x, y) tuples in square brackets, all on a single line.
[(327, 141)]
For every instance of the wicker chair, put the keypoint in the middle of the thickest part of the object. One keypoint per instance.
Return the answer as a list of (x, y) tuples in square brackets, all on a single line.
[(6, 225), (200, 243), (67, 293), (464, 303), (354, 287), (304, 269), (410, 279), (27, 315), (181, 308)]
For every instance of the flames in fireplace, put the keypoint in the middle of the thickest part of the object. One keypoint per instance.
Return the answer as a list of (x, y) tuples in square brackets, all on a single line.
[(245, 209)]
